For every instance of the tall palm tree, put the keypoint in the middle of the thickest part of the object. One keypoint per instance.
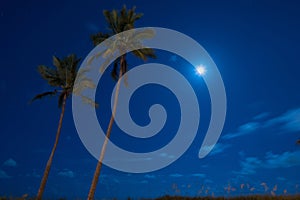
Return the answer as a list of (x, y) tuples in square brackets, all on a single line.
[(117, 22), (62, 78)]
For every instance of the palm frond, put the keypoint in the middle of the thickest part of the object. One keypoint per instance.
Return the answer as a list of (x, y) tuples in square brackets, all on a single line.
[(144, 54), (141, 35), (89, 101), (50, 75), (139, 54), (44, 94), (93, 57), (99, 37), (71, 71), (110, 21), (138, 16), (122, 21), (56, 62)]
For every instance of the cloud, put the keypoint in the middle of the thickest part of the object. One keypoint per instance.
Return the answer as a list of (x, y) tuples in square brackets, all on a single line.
[(249, 165), (288, 121), (175, 175), (199, 175), (67, 173), (243, 130), (284, 160), (271, 161), (149, 176), (219, 148), (261, 116), (10, 163), (216, 149), (3, 175)]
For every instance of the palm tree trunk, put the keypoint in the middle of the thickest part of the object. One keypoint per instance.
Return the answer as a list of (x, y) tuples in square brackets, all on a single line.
[(108, 132), (49, 163)]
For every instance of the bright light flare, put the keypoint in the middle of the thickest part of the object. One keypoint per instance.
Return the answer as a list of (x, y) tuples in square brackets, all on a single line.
[(201, 70)]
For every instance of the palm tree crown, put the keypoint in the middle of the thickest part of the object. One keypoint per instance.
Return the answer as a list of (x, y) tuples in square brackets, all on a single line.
[(119, 22), (62, 78)]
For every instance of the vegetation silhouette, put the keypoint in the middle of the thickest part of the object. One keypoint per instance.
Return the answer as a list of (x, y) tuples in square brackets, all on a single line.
[(250, 197), (62, 78)]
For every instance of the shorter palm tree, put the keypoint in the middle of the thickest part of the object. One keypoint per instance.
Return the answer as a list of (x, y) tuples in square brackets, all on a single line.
[(62, 78)]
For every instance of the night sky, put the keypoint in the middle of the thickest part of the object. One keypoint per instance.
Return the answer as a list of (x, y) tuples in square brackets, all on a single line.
[(255, 45)]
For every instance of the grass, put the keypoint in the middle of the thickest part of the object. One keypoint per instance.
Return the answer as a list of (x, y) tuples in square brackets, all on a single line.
[(250, 197)]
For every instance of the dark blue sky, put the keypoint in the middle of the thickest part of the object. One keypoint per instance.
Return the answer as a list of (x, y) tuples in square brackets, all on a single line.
[(255, 45)]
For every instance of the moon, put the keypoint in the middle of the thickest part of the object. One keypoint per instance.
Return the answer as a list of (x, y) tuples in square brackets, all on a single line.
[(201, 70)]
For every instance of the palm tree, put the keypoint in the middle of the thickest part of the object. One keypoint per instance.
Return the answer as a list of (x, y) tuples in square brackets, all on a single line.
[(62, 78), (117, 22)]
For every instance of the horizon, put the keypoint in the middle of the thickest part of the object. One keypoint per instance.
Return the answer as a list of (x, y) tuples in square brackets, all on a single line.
[(254, 45)]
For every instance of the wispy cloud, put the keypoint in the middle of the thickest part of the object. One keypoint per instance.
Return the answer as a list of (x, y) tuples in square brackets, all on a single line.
[(67, 173), (149, 176), (288, 121), (271, 161), (199, 175), (10, 163), (261, 116), (216, 149), (243, 130), (3, 175), (219, 148), (249, 165), (284, 160), (175, 175)]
